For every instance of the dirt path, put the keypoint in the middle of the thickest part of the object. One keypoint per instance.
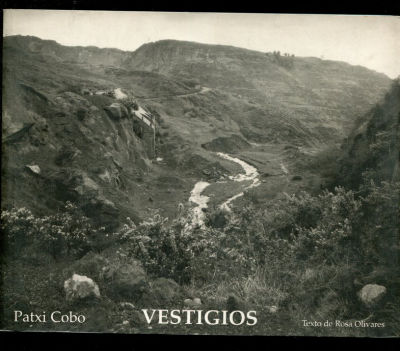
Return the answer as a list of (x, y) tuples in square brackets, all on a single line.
[(203, 90)]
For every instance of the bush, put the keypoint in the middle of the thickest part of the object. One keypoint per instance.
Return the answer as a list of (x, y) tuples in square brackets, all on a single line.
[(218, 218), (154, 243), (174, 250), (66, 233)]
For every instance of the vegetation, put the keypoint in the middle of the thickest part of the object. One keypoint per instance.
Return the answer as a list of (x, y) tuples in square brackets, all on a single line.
[(305, 254), (66, 233)]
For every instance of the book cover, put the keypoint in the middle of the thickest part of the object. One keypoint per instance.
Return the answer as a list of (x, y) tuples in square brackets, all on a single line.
[(200, 173)]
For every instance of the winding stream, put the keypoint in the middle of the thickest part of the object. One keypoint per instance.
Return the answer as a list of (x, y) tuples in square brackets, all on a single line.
[(251, 174), (200, 201)]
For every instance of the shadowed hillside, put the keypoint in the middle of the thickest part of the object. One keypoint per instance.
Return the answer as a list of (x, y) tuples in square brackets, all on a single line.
[(373, 146)]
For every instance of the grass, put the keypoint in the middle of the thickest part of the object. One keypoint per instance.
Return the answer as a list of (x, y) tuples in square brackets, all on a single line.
[(258, 290)]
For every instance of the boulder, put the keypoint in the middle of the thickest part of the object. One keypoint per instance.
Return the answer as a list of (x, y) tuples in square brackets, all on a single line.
[(127, 306), (197, 301), (371, 294), (33, 168), (187, 302), (117, 111), (126, 279), (80, 287)]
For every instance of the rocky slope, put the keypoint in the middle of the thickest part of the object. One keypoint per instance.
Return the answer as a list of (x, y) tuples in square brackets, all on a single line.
[(79, 152)]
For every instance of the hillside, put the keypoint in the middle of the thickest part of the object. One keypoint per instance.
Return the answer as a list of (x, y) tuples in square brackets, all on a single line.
[(310, 98), (299, 98), (84, 155), (229, 98), (372, 149)]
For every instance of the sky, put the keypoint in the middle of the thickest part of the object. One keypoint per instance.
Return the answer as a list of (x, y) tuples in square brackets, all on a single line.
[(370, 41)]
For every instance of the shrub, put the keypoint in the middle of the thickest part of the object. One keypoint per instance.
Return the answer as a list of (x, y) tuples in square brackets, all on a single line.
[(218, 218), (66, 233), (174, 250)]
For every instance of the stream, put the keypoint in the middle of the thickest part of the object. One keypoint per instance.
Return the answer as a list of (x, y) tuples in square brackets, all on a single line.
[(251, 174)]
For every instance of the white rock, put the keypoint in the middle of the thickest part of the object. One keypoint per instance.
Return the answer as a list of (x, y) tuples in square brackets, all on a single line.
[(127, 305), (196, 301), (80, 287), (34, 168), (119, 94), (272, 309), (187, 302), (371, 294)]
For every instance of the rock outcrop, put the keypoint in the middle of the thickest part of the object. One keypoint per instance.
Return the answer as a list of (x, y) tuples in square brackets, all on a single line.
[(372, 294), (80, 287)]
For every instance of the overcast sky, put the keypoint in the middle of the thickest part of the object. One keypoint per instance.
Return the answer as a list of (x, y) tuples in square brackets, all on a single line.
[(370, 41)]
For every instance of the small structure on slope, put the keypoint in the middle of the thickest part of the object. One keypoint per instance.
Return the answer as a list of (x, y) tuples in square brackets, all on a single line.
[(145, 127)]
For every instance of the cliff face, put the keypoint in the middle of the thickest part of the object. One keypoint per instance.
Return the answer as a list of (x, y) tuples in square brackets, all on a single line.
[(61, 143)]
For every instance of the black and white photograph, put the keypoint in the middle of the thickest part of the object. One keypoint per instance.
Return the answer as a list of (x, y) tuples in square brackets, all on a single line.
[(200, 173)]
